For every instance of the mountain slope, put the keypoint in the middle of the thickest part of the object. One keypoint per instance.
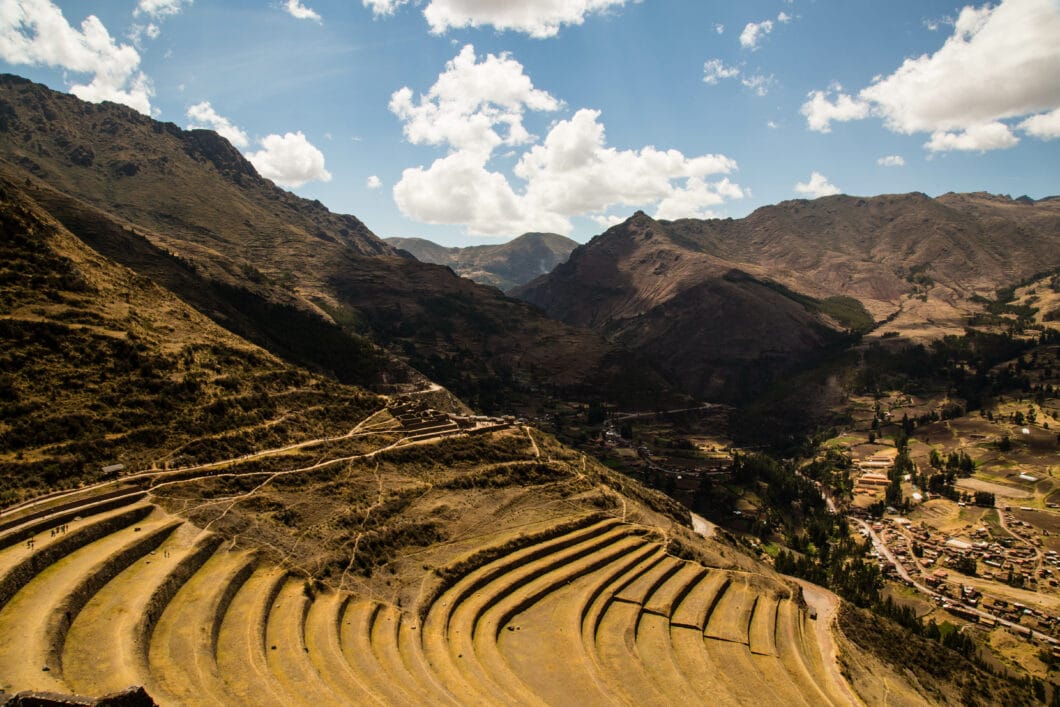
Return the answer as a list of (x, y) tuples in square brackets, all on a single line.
[(185, 208), (705, 298), (713, 329), (503, 266), (103, 366)]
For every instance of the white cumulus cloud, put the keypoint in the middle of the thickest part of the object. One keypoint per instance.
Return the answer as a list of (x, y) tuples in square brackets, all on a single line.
[(719, 28), (296, 9), (290, 160), (999, 64), (160, 8), (474, 105), (817, 186), (821, 110), (695, 198), (607, 220), (382, 8), (784, 18), (574, 171), (34, 32), (758, 83), (1045, 125), (977, 138), (373, 182), (753, 33), (477, 107), (537, 18), (203, 115), (714, 70), (891, 161)]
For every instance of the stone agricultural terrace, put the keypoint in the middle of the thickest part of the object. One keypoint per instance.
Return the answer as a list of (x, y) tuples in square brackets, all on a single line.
[(587, 609)]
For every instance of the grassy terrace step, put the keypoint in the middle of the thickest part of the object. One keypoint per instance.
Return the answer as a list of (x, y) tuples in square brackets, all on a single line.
[(779, 681), (449, 663), (287, 658), (763, 631), (184, 641), (35, 614), (467, 574), (241, 649), (638, 591), (670, 593), (355, 633), (595, 612), (810, 652), (325, 650), (545, 640), (696, 607), (19, 564), (386, 646), (590, 601), (792, 651), (98, 576), (19, 530), (410, 646), (656, 651), (560, 578), (704, 672), (731, 618), (465, 617), (772, 686), (110, 619), (618, 659)]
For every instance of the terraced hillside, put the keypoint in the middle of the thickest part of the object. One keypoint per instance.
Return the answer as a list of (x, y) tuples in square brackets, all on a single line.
[(107, 594)]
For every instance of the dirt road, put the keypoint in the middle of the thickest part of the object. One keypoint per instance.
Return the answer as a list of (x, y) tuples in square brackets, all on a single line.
[(826, 604)]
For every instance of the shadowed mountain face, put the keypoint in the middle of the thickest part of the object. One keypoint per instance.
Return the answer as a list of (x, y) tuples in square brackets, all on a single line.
[(100, 364), (187, 210), (503, 266), (722, 305)]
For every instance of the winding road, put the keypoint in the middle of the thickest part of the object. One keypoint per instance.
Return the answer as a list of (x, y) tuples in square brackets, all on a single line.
[(826, 604)]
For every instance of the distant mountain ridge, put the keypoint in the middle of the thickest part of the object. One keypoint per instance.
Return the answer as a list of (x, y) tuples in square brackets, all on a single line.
[(504, 266), (185, 209), (721, 305)]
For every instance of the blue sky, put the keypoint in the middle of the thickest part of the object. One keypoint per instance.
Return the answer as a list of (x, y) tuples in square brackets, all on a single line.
[(568, 115)]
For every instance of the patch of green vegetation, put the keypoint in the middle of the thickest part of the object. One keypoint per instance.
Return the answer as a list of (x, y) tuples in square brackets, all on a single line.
[(1003, 303), (918, 275), (963, 365), (458, 453), (848, 311), (507, 475)]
